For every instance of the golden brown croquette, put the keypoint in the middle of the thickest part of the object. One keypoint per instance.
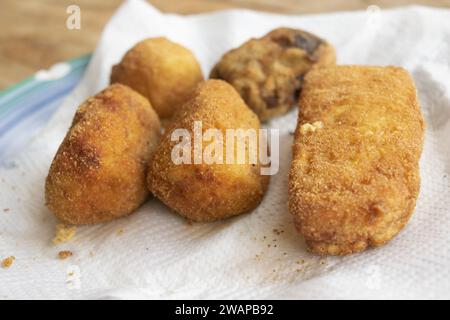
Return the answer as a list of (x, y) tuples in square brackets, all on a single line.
[(354, 177), (268, 72), (98, 173), (161, 70), (207, 192)]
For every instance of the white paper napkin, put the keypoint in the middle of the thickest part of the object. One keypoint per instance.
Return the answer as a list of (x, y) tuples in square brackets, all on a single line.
[(155, 254)]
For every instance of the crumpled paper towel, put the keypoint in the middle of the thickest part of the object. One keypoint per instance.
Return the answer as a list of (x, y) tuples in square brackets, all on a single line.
[(154, 253)]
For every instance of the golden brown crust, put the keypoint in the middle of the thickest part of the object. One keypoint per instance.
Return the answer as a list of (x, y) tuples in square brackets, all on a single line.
[(354, 182), (207, 192), (164, 72), (268, 72), (98, 173)]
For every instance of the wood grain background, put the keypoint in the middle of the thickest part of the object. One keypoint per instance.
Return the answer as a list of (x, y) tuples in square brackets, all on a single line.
[(34, 35)]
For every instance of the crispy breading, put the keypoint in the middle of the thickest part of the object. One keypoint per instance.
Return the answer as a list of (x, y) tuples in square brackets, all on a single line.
[(207, 192), (354, 181), (7, 262), (65, 254), (98, 173), (163, 71), (268, 72), (64, 233)]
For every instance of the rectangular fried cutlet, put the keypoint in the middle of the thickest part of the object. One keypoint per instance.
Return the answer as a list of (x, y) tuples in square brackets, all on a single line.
[(354, 177)]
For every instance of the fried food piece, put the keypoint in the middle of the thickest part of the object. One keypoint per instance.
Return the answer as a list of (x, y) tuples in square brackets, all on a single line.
[(65, 254), (164, 72), (7, 262), (64, 233), (202, 191), (354, 179), (98, 173), (268, 72)]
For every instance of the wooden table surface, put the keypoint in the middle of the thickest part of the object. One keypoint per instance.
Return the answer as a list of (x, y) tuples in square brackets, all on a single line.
[(34, 36)]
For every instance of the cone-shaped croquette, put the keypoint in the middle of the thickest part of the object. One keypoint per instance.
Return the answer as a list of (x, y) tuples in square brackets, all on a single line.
[(206, 191)]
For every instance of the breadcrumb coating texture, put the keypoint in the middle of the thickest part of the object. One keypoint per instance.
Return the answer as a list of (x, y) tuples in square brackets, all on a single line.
[(98, 173), (163, 71), (268, 72), (207, 192), (354, 181)]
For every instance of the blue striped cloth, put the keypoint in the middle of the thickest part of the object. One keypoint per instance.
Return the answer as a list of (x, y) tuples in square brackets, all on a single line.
[(27, 106)]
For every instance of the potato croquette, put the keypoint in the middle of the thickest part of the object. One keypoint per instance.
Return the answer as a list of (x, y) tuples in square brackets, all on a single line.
[(268, 72), (208, 192), (354, 177), (98, 173), (164, 72)]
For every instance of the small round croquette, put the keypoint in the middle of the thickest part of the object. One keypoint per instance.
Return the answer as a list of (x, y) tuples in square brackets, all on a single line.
[(98, 173), (164, 72), (268, 72)]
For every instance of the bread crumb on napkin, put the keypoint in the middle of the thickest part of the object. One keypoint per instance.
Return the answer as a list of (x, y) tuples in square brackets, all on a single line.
[(64, 254), (7, 262), (64, 233), (308, 127)]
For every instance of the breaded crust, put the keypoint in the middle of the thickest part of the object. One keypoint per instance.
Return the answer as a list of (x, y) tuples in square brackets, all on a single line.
[(163, 71), (354, 177), (268, 72), (98, 173), (208, 192)]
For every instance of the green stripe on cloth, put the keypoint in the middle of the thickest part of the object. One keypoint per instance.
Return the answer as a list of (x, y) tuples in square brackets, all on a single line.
[(10, 97)]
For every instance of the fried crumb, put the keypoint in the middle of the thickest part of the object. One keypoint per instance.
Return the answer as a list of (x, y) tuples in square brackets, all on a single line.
[(278, 231), (64, 254), (308, 127), (6, 209), (7, 262), (120, 232), (64, 233), (189, 222), (91, 253)]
